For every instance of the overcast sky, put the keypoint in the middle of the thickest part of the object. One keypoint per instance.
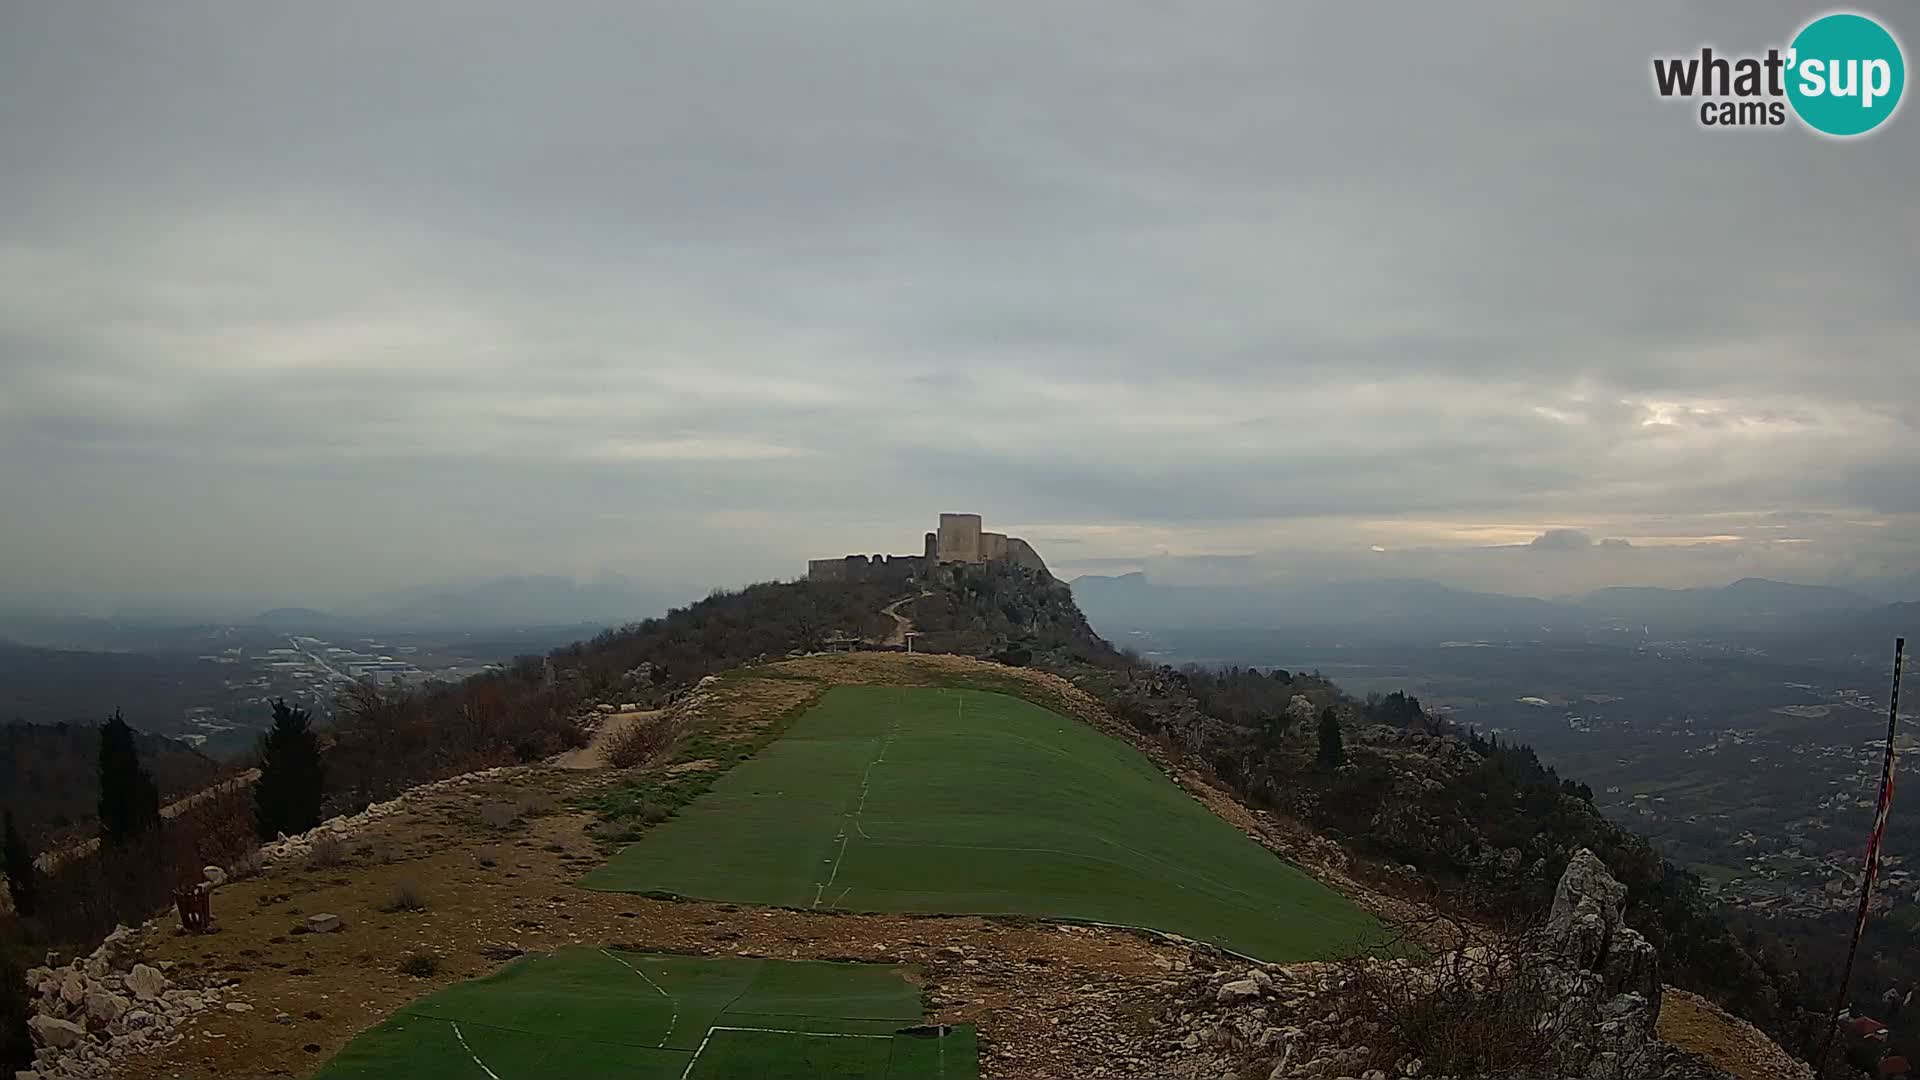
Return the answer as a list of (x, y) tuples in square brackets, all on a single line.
[(300, 303)]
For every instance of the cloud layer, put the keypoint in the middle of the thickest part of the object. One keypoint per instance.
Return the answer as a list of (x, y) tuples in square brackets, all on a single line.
[(298, 306)]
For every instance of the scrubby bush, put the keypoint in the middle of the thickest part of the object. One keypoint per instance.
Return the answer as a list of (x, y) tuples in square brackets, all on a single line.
[(640, 742), (420, 965), (1486, 1008)]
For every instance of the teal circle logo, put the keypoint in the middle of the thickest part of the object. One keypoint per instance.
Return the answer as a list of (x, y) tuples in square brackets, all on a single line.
[(1845, 74)]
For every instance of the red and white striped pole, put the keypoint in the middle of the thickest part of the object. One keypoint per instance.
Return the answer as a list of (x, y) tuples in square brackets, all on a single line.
[(1873, 851)]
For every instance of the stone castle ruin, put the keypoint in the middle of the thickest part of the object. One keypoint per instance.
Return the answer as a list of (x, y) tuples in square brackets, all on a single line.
[(958, 540)]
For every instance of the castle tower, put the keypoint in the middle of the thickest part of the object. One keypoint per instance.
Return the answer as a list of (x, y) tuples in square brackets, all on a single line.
[(959, 538)]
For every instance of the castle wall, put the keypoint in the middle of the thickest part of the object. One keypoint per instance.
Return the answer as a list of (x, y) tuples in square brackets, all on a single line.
[(862, 568), (1021, 553), (993, 546)]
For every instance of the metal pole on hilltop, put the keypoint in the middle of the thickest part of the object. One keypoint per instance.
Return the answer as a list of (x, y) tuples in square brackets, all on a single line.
[(1873, 854)]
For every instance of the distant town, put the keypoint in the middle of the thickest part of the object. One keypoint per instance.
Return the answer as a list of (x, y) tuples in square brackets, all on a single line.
[(309, 671), (1791, 841)]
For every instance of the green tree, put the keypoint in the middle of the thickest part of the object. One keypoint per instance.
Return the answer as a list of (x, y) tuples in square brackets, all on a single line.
[(19, 864), (1333, 751), (129, 799), (292, 777)]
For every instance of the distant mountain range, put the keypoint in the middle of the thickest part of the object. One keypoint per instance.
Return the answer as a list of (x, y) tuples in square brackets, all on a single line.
[(1748, 598), (1805, 619)]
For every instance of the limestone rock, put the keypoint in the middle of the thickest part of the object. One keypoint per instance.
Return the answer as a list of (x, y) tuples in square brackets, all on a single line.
[(1237, 990), (145, 982), (105, 1006), (323, 923), (56, 1033)]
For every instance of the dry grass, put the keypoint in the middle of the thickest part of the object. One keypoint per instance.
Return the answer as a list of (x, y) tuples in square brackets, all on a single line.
[(328, 851), (407, 895), (1693, 1023)]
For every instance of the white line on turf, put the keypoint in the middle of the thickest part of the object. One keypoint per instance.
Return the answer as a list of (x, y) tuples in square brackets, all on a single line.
[(866, 788), (471, 1054), (671, 1023), (688, 1071)]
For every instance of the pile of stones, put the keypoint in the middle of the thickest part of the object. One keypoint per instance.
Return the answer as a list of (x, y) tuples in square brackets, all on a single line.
[(97, 1009)]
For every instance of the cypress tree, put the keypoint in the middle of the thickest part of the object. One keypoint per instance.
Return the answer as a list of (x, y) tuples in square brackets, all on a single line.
[(292, 777), (19, 864), (129, 799), (1333, 750)]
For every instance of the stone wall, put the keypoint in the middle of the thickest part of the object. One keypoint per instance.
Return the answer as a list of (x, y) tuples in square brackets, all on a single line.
[(830, 569), (864, 568)]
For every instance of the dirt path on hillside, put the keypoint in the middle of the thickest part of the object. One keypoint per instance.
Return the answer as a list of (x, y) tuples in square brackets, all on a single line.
[(594, 754), (902, 626)]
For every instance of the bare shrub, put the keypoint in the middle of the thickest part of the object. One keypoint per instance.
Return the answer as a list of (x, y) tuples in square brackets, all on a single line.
[(640, 742), (497, 815), (1486, 1007), (420, 965), (250, 864), (328, 851), (406, 895)]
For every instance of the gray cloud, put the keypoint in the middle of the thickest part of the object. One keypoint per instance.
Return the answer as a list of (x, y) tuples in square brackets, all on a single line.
[(299, 305)]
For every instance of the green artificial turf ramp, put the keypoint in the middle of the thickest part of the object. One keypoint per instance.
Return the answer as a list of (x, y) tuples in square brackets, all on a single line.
[(648, 1016), (965, 802)]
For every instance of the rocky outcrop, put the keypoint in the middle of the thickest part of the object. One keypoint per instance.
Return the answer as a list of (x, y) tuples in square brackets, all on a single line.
[(95, 1010), (1577, 1001)]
